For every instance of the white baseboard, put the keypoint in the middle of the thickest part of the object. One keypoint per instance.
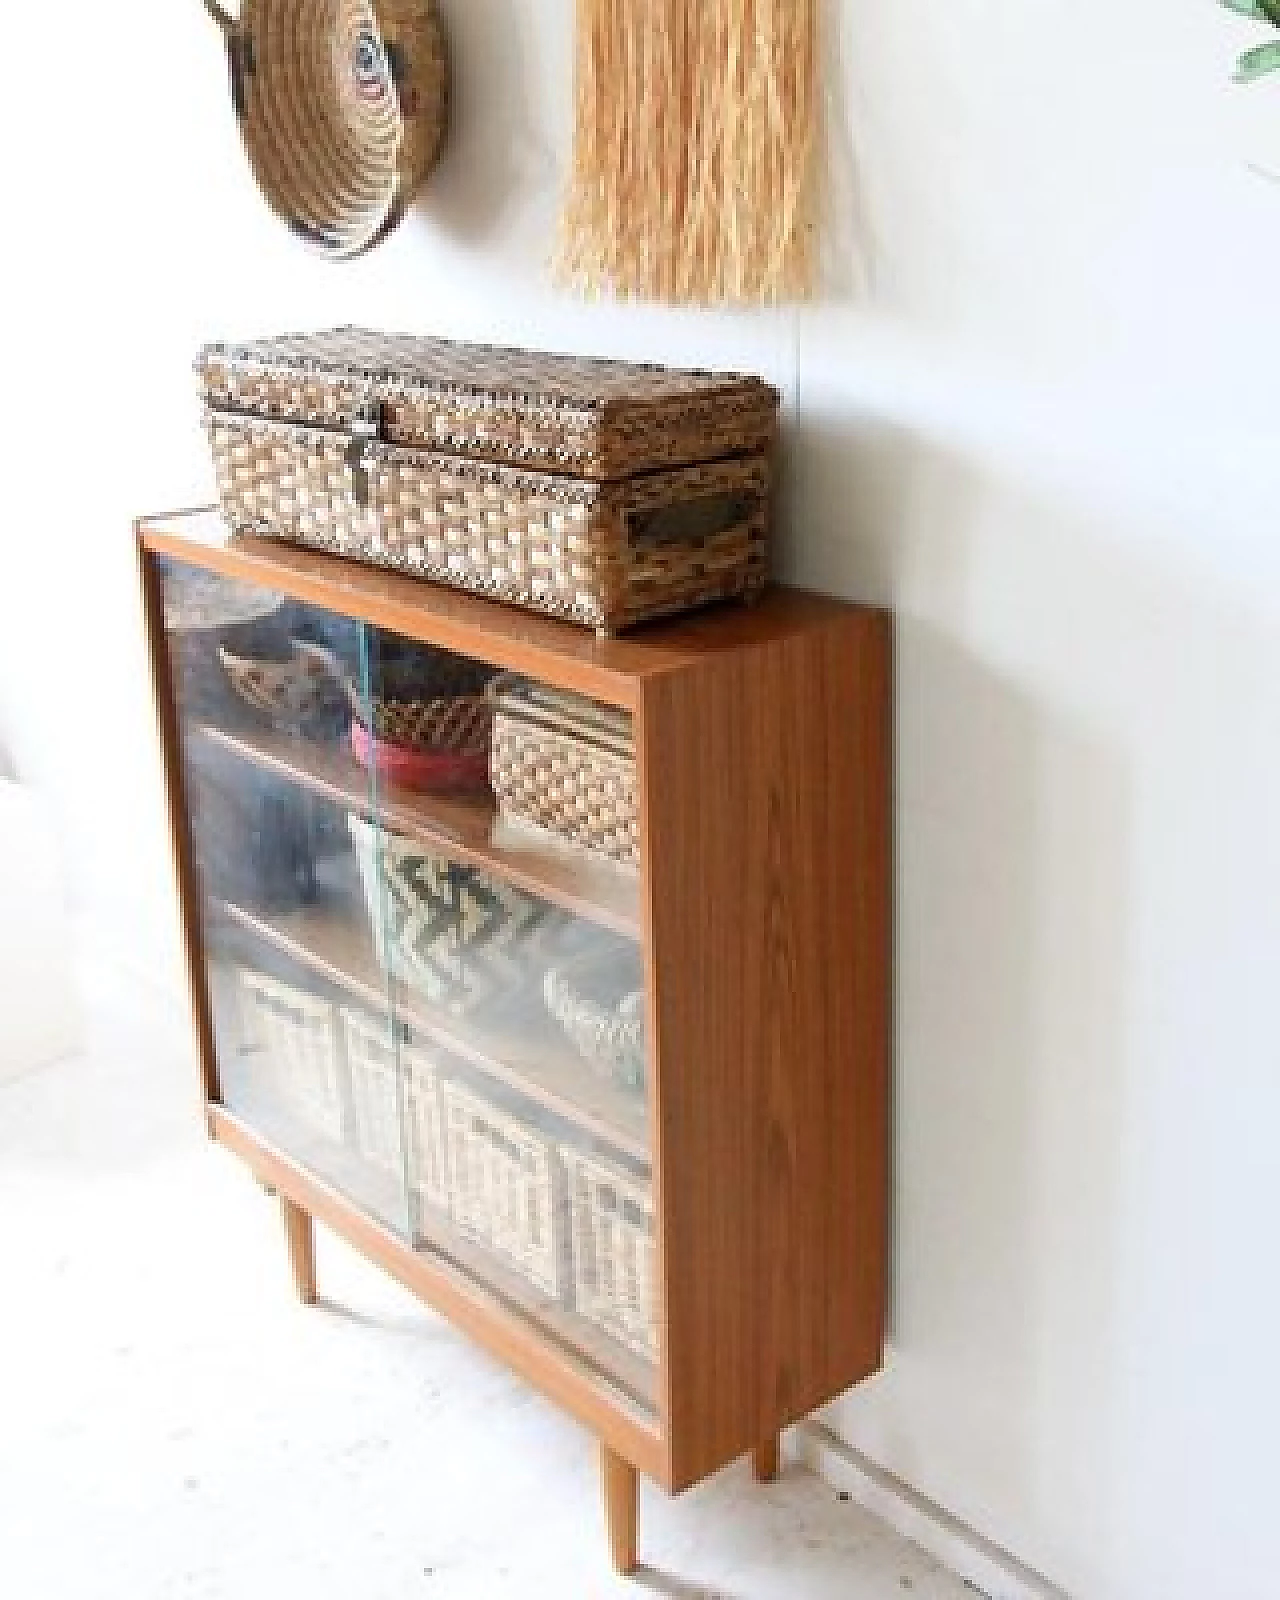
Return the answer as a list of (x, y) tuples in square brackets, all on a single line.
[(986, 1568)]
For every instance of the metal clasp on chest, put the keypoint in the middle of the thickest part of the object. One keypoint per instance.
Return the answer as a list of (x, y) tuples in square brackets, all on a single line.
[(366, 429)]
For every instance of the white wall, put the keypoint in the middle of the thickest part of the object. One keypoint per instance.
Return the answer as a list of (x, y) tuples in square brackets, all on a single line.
[(1042, 434), (1054, 458), (39, 1014)]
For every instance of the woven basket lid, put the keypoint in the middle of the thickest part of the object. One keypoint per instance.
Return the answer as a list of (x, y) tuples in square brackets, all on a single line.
[(560, 711), (342, 107)]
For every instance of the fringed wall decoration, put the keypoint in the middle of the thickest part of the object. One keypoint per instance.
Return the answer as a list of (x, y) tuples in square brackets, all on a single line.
[(694, 152)]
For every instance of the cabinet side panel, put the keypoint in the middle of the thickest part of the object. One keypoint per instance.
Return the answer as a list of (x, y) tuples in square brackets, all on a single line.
[(860, 988), (765, 782)]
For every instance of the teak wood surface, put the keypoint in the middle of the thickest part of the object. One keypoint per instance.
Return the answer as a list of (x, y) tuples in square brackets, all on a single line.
[(611, 670), (764, 763), (620, 1492), (300, 1238), (764, 778)]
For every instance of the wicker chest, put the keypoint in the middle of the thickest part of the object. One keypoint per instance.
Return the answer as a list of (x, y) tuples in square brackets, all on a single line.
[(603, 492)]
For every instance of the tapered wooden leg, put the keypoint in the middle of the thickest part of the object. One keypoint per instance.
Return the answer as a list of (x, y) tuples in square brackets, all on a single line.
[(764, 1461), (618, 1480), (299, 1231)]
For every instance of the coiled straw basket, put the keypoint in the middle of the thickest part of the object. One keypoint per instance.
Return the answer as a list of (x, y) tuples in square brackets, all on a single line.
[(342, 107)]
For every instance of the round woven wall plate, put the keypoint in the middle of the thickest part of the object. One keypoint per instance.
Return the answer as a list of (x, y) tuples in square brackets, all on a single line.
[(342, 106)]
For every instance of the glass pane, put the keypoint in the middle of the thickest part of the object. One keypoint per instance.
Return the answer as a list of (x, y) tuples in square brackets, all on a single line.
[(518, 997), (433, 999), (266, 690)]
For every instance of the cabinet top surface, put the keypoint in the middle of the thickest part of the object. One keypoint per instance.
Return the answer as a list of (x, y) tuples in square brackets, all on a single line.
[(611, 669)]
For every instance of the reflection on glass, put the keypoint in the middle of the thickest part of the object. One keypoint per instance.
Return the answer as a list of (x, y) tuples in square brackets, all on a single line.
[(446, 1026), (262, 687), (527, 1020)]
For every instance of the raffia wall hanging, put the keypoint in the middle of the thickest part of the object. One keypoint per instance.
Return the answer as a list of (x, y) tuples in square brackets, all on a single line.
[(694, 154)]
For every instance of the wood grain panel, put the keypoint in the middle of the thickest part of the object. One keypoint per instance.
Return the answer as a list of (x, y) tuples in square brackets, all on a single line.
[(557, 652), (861, 763), (620, 1492), (764, 777), (300, 1240)]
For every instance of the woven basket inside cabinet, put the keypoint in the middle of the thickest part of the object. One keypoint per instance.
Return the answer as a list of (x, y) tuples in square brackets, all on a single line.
[(296, 693), (294, 1033), (507, 1187), (567, 764), (423, 699), (377, 1063), (598, 1000), (203, 614), (598, 491), (613, 1258)]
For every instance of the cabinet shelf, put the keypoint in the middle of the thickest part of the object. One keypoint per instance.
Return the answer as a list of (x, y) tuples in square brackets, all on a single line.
[(520, 1051), (465, 828)]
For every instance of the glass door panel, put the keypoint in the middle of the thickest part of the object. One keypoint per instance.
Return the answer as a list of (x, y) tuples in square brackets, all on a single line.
[(519, 1006), (266, 691), (433, 1002)]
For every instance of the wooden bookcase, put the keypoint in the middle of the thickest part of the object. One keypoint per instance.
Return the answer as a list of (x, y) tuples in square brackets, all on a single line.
[(759, 920)]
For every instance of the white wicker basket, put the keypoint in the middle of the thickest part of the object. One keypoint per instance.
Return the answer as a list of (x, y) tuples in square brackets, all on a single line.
[(294, 1033), (613, 1262), (507, 1187), (374, 1061)]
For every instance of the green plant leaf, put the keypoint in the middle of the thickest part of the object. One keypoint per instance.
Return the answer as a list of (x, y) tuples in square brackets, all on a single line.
[(1255, 63), (1246, 8), (1270, 9)]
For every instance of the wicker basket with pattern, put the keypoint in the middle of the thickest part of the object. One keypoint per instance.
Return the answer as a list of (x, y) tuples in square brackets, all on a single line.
[(601, 492), (566, 764), (342, 107), (297, 695), (598, 1000), (459, 724), (507, 1188), (204, 612), (294, 1034), (425, 700), (378, 1062), (457, 936), (613, 1257)]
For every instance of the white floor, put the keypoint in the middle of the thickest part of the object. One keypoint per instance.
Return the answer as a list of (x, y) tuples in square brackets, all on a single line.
[(173, 1423)]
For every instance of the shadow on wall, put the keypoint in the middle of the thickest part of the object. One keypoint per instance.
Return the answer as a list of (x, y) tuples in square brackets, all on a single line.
[(501, 157), (848, 251), (1012, 852), (494, 151)]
